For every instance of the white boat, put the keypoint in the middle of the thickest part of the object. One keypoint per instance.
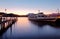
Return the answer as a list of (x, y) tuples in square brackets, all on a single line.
[(40, 17)]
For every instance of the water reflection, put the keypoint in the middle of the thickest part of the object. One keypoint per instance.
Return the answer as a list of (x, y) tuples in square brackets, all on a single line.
[(24, 28), (41, 24), (5, 26)]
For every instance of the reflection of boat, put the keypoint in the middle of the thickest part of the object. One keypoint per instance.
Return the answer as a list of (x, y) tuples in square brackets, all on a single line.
[(40, 17)]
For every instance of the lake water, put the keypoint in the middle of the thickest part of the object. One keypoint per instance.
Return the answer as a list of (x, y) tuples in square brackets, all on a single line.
[(24, 28)]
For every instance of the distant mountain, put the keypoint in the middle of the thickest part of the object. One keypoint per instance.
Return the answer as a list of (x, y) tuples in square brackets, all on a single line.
[(1, 13), (8, 15), (11, 15)]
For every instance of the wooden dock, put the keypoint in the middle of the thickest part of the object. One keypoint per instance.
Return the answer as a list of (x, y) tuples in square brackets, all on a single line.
[(5, 23)]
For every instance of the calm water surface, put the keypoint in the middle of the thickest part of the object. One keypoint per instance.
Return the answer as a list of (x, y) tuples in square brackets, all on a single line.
[(24, 28)]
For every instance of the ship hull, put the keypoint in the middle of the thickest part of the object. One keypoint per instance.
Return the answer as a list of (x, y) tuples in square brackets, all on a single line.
[(43, 20)]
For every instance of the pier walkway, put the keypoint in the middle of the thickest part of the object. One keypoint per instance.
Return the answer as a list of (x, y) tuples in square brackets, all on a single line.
[(5, 23)]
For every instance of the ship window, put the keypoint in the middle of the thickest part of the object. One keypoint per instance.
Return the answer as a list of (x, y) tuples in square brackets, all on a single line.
[(42, 16)]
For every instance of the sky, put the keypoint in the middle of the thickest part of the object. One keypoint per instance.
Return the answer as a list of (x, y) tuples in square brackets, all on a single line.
[(23, 7)]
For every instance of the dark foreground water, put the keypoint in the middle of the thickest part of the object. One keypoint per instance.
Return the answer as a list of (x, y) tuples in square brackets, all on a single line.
[(24, 28)]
